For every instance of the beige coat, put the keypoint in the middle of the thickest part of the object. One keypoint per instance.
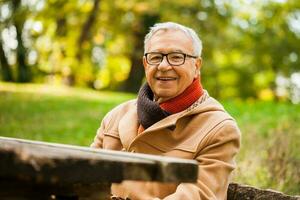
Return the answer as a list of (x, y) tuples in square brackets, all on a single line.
[(204, 132)]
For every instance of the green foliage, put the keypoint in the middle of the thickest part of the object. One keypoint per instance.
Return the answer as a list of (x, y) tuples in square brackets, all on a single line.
[(114, 71), (247, 44)]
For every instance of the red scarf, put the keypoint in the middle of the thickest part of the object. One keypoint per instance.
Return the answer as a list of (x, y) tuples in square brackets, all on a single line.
[(185, 99), (149, 112)]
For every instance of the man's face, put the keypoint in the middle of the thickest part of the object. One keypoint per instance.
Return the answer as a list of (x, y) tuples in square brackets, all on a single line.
[(168, 81)]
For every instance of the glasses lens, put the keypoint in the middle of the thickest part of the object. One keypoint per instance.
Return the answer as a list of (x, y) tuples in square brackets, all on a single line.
[(154, 58), (176, 58)]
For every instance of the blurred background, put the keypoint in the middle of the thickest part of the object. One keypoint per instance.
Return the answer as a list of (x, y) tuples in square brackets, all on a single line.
[(65, 64)]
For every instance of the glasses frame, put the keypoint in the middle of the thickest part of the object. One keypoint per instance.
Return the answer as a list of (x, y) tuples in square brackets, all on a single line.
[(166, 55)]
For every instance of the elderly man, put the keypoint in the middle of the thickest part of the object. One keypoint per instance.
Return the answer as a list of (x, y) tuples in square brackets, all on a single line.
[(173, 116)]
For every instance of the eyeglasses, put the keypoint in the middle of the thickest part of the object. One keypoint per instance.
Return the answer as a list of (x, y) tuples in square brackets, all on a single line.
[(173, 58)]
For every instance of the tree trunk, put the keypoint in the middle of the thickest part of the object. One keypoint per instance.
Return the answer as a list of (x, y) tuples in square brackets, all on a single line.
[(5, 68), (136, 74), (84, 36), (24, 74), (86, 28)]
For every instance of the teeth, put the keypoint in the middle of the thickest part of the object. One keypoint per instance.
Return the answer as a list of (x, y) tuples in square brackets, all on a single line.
[(166, 79)]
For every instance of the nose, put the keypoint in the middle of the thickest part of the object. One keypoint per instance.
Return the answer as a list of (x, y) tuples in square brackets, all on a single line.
[(164, 65)]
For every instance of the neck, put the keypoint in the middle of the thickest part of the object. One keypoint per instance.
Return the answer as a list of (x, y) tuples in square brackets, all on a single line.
[(160, 100)]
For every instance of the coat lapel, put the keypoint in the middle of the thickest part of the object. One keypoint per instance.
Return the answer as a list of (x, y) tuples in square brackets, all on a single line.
[(128, 127)]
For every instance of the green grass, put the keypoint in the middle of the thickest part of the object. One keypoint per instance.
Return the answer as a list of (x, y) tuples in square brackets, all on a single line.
[(52, 113), (270, 150), (269, 157)]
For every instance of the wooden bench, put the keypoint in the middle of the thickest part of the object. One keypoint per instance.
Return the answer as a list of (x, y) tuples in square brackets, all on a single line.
[(240, 192), (40, 170)]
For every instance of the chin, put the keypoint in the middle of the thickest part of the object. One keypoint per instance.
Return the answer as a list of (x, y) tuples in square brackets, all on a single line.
[(165, 95)]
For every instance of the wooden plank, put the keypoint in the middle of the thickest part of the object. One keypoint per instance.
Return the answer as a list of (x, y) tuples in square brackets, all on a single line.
[(238, 191), (41, 170), (50, 163), (22, 190)]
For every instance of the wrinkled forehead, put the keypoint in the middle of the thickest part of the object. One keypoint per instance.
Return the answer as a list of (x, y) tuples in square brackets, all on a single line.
[(166, 40), (169, 30)]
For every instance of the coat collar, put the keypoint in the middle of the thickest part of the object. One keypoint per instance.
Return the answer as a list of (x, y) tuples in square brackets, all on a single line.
[(128, 127)]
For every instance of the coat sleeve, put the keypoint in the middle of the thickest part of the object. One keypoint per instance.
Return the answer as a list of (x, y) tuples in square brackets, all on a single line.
[(107, 136), (216, 162), (98, 140)]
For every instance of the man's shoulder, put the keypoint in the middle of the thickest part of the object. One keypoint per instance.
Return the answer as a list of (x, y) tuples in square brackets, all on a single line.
[(123, 107), (112, 118), (212, 112), (209, 106)]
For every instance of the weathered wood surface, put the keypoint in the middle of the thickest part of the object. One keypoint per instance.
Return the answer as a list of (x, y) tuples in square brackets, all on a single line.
[(39, 170), (245, 192), (26, 166)]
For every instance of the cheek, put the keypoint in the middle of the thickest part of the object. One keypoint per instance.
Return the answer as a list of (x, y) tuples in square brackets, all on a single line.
[(186, 79), (187, 75), (193, 73), (149, 72)]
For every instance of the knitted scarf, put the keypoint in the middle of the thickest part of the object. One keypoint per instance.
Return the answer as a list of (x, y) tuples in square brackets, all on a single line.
[(149, 112)]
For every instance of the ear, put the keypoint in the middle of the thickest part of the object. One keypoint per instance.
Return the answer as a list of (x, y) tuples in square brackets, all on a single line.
[(198, 64)]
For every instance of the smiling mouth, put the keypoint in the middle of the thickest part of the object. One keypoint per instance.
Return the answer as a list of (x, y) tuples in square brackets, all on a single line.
[(165, 78)]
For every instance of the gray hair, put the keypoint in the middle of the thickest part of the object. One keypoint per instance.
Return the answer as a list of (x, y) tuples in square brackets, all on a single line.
[(197, 43)]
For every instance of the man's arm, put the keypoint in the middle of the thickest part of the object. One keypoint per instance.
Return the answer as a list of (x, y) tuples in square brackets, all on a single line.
[(98, 140), (107, 131), (216, 162)]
